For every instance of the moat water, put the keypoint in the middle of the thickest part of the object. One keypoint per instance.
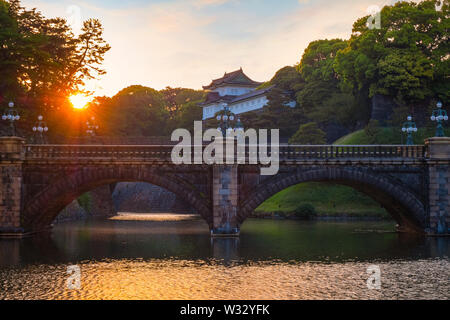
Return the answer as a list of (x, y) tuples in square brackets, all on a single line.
[(173, 257)]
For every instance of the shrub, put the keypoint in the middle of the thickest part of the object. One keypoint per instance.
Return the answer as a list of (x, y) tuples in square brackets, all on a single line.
[(305, 211), (280, 214), (372, 130), (308, 134), (85, 201)]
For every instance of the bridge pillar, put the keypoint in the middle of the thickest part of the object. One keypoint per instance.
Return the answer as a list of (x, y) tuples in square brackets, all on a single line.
[(439, 185), (225, 201), (11, 159)]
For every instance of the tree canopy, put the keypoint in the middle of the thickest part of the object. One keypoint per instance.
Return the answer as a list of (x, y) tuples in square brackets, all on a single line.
[(331, 88), (42, 62), (308, 134), (143, 111), (407, 58)]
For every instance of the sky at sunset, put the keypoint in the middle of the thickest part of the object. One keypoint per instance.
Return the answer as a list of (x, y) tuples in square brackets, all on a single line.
[(186, 43)]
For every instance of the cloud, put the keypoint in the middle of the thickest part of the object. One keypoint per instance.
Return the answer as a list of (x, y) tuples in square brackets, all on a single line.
[(202, 3), (188, 43)]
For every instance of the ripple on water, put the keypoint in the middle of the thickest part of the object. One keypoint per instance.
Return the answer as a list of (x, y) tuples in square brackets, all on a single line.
[(186, 279)]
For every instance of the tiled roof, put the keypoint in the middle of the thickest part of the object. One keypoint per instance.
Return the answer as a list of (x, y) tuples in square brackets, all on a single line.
[(214, 97), (251, 94), (237, 77)]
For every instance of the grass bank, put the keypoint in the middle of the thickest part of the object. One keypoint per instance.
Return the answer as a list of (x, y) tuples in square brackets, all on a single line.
[(386, 136), (318, 199)]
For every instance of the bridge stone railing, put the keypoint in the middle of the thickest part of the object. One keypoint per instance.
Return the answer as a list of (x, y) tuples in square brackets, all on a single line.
[(99, 152), (294, 152), (162, 153)]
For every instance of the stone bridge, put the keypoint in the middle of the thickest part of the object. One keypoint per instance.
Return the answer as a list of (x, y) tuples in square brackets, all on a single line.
[(37, 181)]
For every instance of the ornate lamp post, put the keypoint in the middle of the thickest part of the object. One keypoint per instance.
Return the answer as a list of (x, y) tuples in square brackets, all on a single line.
[(92, 127), (439, 116), (11, 115), (409, 127), (40, 129), (226, 119), (239, 126)]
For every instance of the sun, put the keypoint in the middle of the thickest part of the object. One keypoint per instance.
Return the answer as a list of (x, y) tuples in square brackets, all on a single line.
[(79, 100)]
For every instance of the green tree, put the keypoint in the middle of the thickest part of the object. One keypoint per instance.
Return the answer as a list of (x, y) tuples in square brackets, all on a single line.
[(143, 111), (10, 40), (188, 113), (320, 97), (136, 111), (176, 98), (372, 130), (279, 113), (407, 58), (42, 62), (288, 79), (308, 134)]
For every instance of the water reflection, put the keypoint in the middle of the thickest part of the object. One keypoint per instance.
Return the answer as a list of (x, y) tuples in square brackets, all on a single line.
[(138, 258), (260, 240), (225, 249)]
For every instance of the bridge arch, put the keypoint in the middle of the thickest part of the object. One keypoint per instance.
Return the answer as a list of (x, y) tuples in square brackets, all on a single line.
[(404, 206), (43, 208)]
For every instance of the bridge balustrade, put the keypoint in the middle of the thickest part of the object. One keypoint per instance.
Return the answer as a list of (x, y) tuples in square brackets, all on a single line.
[(294, 152), (163, 152), (117, 152)]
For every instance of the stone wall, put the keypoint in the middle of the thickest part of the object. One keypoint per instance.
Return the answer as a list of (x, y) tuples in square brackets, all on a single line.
[(11, 156), (137, 197), (147, 198), (439, 185), (72, 212), (100, 204), (382, 108), (225, 200), (10, 196), (334, 131), (440, 199)]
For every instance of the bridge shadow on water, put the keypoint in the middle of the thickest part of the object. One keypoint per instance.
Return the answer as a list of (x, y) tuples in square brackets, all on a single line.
[(260, 240)]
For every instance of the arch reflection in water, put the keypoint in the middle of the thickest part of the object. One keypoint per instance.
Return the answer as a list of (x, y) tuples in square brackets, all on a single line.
[(178, 260), (188, 239)]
